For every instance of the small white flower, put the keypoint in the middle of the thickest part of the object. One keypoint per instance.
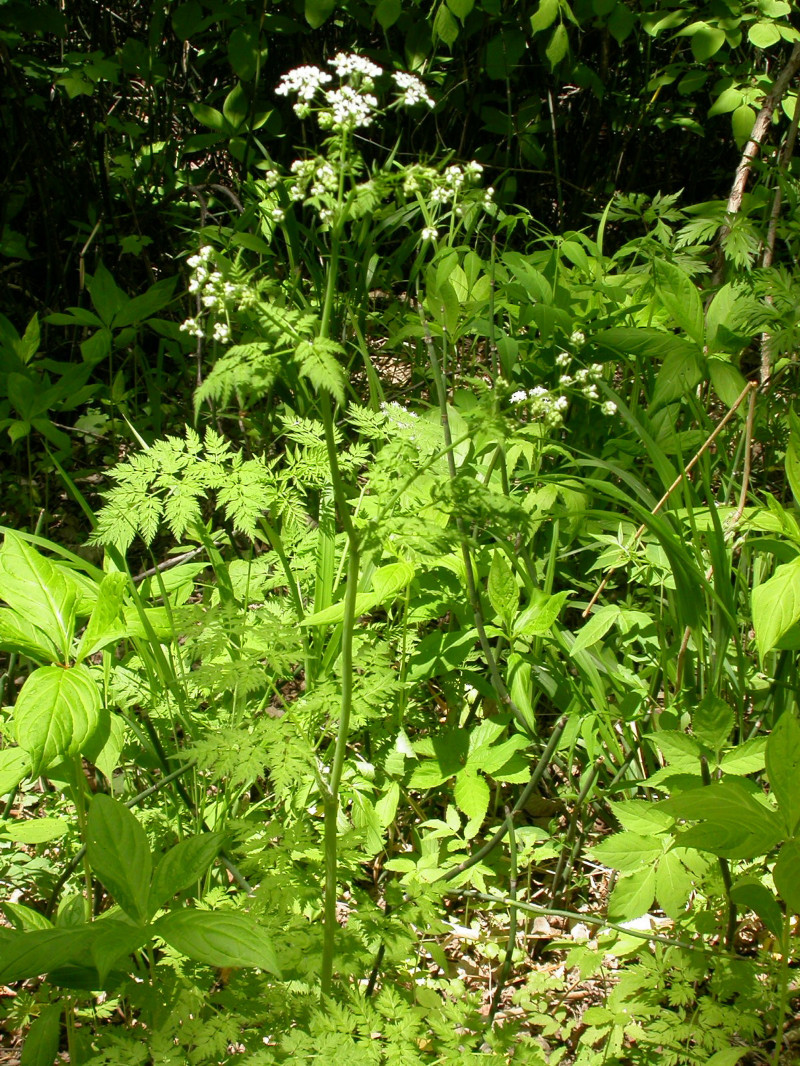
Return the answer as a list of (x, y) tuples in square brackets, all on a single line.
[(347, 65), (209, 300), (271, 178), (488, 195), (582, 376), (229, 289), (326, 214), (578, 337), (538, 392), (590, 392), (441, 195), (565, 381), (454, 176), (430, 233), (561, 403), (222, 333), (412, 90), (563, 359), (192, 327), (194, 285), (277, 214), (597, 370), (608, 408), (349, 109), (520, 396), (473, 170), (305, 81)]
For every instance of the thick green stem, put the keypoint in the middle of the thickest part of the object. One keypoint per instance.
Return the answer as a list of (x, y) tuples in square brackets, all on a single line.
[(783, 987), (331, 791)]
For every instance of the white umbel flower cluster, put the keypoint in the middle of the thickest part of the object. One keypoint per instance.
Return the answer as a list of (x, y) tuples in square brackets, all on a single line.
[(353, 105), (412, 90), (304, 82), (348, 109), (213, 293), (542, 405), (355, 66)]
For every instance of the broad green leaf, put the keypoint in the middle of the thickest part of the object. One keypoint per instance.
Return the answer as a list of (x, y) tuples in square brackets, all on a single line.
[(732, 822), (558, 45), (633, 895), (25, 918), (57, 713), (218, 938), (742, 121), (792, 460), (43, 1039), (679, 375), (472, 795), (727, 380), (502, 587), (763, 34), (27, 955), (544, 16), (628, 852), (445, 26), (728, 100), (103, 627), (19, 634), (187, 19), (596, 628), (113, 940), (243, 51), (318, 11), (783, 769), (33, 830), (182, 866), (119, 854), (541, 615), (209, 116), (728, 1056), (461, 8), (107, 297), (712, 722), (753, 895), (38, 590), (745, 758), (706, 41), (14, 765), (440, 653), (682, 752), (674, 884), (679, 295), (491, 758), (786, 875), (235, 107), (146, 305), (639, 816), (389, 580), (107, 758), (388, 12), (386, 807), (520, 687), (776, 606)]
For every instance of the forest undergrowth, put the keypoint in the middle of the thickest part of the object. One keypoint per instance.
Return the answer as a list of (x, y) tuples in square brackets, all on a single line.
[(400, 564)]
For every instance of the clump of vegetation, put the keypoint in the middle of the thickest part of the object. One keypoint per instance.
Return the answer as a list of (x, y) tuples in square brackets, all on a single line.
[(399, 580)]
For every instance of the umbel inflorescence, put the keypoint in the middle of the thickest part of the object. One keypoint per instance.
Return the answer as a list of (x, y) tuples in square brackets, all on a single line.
[(353, 104)]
